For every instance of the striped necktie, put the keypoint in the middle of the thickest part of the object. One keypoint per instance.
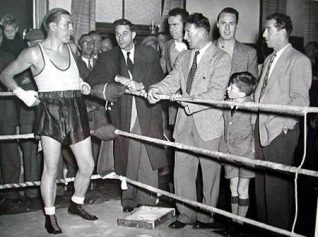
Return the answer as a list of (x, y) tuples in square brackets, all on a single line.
[(130, 65), (267, 72), (192, 72)]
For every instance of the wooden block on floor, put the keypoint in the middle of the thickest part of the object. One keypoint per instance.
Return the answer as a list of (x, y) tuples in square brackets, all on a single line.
[(146, 217)]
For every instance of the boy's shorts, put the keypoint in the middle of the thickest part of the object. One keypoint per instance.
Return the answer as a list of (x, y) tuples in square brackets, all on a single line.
[(62, 115), (232, 171)]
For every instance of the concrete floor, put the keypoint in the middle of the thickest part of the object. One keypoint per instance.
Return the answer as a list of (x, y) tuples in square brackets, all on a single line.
[(32, 224), (27, 219)]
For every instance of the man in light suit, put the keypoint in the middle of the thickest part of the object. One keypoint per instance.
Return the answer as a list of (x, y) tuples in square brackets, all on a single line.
[(244, 57), (135, 67), (285, 80), (197, 125)]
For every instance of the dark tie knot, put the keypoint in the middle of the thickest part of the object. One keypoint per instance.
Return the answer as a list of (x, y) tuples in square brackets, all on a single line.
[(196, 53)]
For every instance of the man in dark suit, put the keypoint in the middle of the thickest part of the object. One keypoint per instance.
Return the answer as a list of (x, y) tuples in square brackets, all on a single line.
[(202, 72), (134, 66), (85, 62), (285, 80)]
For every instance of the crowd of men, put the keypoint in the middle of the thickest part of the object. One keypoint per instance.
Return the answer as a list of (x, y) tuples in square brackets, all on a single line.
[(51, 75)]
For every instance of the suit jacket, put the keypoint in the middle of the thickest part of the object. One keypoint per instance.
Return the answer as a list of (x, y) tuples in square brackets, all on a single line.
[(147, 70), (82, 67), (168, 56), (210, 82), (244, 59), (288, 84), (238, 132), (167, 61)]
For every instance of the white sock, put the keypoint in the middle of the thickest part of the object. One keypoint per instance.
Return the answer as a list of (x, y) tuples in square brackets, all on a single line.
[(78, 200), (49, 210)]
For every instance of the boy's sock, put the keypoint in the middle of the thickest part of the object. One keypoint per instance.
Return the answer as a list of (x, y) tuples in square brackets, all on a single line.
[(234, 204), (243, 205)]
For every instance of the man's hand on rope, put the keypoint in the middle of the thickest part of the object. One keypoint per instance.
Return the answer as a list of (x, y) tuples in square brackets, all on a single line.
[(105, 132), (85, 88), (30, 98), (177, 96), (153, 95), (132, 87), (109, 91)]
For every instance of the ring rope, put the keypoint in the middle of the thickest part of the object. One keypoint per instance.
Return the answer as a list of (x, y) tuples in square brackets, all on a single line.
[(38, 183), (165, 193), (297, 172), (223, 156), (17, 136), (290, 109), (204, 207), (7, 93)]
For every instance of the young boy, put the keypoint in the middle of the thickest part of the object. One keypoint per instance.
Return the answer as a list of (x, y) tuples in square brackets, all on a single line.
[(12, 41), (239, 139)]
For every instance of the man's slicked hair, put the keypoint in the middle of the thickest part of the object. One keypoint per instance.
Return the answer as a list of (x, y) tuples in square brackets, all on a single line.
[(283, 21), (124, 22), (179, 12), (52, 16), (199, 21), (229, 10)]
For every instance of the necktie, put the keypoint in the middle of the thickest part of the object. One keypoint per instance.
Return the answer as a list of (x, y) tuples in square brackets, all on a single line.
[(90, 65), (267, 72), (130, 65), (192, 72)]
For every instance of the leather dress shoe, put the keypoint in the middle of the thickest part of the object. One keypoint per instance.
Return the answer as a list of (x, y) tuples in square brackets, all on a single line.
[(177, 225), (127, 209), (77, 209), (51, 225), (214, 225)]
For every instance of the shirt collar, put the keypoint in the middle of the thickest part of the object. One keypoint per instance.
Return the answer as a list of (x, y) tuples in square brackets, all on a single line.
[(180, 46), (86, 60), (132, 53)]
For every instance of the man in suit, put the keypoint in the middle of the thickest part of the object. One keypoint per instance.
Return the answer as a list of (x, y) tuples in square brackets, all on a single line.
[(172, 48), (285, 80), (98, 43), (85, 62), (176, 20), (202, 72), (134, 66), (244, 58)]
